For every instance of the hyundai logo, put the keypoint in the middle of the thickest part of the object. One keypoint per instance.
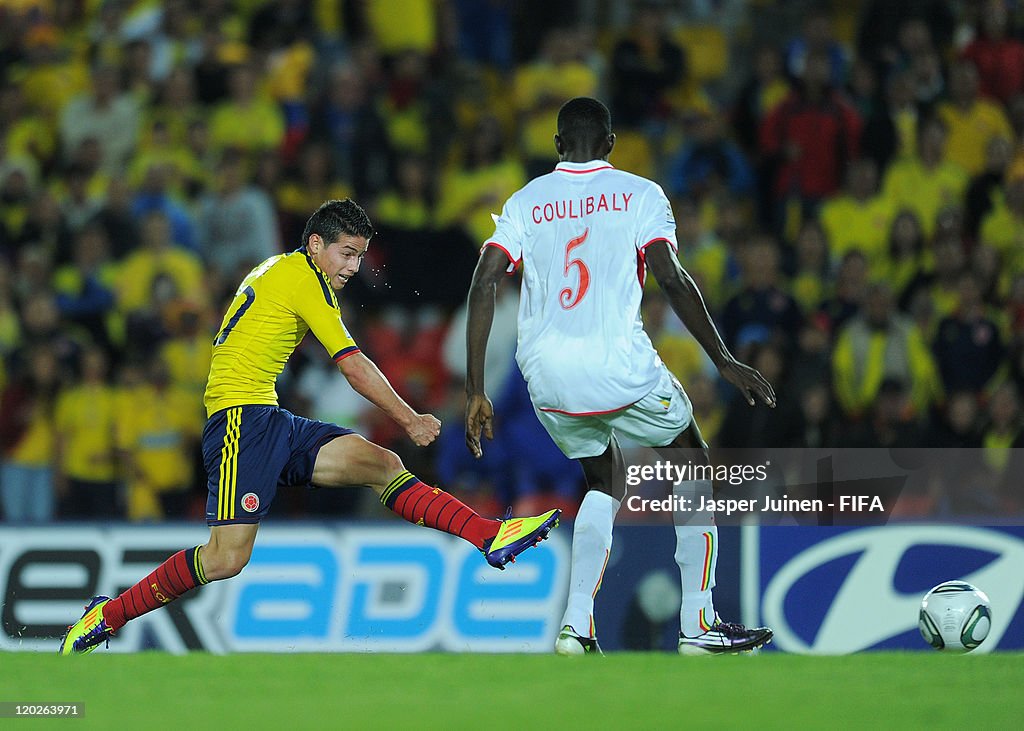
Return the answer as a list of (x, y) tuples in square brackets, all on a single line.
[(867, 609)]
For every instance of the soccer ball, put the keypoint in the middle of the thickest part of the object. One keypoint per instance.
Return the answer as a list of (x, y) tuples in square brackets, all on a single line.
[(955, 616)]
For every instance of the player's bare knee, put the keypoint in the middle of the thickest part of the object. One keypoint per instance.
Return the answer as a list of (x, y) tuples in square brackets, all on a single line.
[(224, 563), (236, 561), (692, 440), (390, 464)]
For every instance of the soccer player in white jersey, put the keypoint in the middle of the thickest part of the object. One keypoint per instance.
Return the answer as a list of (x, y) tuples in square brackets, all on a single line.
[(585, 234)]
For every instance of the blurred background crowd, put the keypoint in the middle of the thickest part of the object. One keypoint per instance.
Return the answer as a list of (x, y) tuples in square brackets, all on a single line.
[(847, 180)]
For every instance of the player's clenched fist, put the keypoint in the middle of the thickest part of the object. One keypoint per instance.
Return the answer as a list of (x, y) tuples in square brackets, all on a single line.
[(423, 429)]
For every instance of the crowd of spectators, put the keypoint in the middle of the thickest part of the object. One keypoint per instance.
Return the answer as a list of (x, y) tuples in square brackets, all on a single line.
[(847, 179)]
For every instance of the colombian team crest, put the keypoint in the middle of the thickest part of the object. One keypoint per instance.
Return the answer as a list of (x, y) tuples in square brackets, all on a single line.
[(250, 502)]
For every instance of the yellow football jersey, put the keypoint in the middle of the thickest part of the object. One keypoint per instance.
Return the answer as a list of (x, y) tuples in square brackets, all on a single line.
[(156, 431), (276, 304), (85, 419)]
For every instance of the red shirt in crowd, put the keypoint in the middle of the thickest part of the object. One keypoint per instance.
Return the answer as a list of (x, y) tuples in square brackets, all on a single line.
[(1000, 65), (813, 141)]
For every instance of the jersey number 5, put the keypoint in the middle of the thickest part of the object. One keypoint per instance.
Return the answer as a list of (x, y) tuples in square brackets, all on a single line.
[(250, 297), (567, 298)]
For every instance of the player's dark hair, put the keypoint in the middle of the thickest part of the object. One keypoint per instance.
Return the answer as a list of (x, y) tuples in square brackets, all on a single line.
[(583, 123), (338, 218)]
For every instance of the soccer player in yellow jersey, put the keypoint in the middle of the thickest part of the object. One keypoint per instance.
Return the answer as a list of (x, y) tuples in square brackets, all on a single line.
[(251, 445)]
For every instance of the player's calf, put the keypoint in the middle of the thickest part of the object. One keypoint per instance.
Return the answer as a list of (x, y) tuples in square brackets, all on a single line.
[(500, 540)]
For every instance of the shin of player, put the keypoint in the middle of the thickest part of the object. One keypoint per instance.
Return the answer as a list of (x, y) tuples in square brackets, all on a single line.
[(697, 557), (591, 549)]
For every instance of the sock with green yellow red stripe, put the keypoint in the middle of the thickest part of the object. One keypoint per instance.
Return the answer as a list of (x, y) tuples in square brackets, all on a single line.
[(177, 575), (591, 549), (432, 507), (697, 557)]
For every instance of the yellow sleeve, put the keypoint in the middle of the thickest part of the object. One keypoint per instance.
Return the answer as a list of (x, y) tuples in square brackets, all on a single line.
[(457, 192), (125, 430), (67, 281), (991, 231), (318, 308), (999, 121), (959, 179), (843, 376), (926, 388), (526, 89), (62, 413), (129, 274), (221, 133), (894, 184), (831, 220), (189, 417), (577, 79), (187, 272), (272, 126)]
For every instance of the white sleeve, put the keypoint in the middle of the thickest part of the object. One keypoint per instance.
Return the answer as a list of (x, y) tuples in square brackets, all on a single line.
[(656, 221), (508, 233)]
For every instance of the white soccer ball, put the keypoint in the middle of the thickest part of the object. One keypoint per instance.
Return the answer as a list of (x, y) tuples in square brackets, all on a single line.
[(955, 617)]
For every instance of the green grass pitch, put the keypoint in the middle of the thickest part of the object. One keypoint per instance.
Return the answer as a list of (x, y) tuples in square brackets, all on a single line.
[(489, 692)]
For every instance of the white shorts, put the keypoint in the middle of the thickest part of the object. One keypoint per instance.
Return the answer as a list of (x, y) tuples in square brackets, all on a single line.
[(653, 421)]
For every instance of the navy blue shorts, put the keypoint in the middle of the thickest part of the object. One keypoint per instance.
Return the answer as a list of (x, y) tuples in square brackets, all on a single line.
[(250, 450)]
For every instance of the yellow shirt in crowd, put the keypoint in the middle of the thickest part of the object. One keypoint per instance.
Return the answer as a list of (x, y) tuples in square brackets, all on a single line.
[(538, 81), (188, 362), (909, 184), (252, 128), (415, 31), (140, 270), (851, 224), (469, 197), (156, 431), (394, 210), (35, 448), (1005, 232), (85, 420), (971, 131)]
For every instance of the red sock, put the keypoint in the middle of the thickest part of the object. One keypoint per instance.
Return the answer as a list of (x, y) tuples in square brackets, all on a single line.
[(180, 573), (433, 507)]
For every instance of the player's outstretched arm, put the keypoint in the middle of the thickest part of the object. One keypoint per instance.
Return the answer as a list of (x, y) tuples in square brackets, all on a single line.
[(686, 301), (365, 377), (479, 412)]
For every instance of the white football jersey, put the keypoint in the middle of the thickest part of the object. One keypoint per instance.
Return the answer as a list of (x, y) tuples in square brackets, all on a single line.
[(580, 233)]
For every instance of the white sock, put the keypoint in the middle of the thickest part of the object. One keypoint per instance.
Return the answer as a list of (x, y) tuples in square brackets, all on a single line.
[(591, 546), (697, 557)]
